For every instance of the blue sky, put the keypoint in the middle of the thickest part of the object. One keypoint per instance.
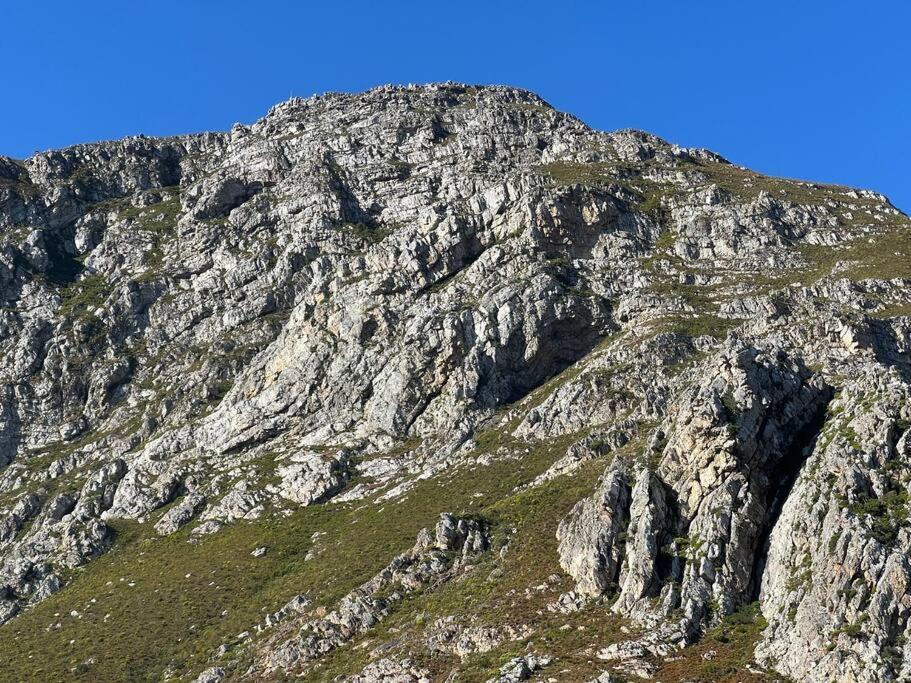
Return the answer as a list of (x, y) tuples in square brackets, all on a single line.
[(806, 89)]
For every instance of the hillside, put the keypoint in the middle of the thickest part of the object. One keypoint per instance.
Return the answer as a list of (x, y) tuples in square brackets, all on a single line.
[(438, 383)]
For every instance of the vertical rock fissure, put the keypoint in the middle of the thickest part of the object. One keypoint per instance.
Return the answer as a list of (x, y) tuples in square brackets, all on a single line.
[(782, 478)]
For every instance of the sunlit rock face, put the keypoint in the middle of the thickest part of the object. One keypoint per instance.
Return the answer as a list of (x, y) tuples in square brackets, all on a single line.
[(358, 293)]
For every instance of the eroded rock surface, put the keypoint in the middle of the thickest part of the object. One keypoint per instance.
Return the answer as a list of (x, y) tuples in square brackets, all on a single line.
[(359, 293)]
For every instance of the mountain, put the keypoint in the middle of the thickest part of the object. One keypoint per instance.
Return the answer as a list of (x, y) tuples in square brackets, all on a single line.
[(439, 383)]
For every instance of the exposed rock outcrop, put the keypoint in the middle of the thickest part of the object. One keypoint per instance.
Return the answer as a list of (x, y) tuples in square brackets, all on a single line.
[(360, 293)]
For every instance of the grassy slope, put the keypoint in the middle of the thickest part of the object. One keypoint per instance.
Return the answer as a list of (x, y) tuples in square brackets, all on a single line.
[(172, 615), (885, 253), (169, 619), (494, 593)]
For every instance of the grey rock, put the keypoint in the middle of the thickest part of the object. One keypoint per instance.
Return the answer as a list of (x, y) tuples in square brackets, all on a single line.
[(180, 514), (391, 671), (355, 292), (213, 674), (589, 549), (520, 668)]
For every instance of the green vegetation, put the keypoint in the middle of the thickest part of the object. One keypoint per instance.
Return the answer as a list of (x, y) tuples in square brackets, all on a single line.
[(157, 218), (22, 185), (532, 107), (746, 184), (79, 299), (730, 406), (837, 425), (366, 232), (876, 244), (883, 255), (852, 630), (572, 173), (665, 241), (741, 183), (894, 311), (800, 574), (646, 194), (494, 593), (172, 614), (887, 513), (696, 325), (686, 547), (698, 305), (732, 643)]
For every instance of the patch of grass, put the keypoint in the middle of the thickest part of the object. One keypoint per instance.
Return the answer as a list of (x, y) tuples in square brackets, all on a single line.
[(884, 255), (852, 630), (731, 409), (665, 240), (647, 195), (723, 655), (887, 513), (22, 185), (893, 311), (572, 173), (697, 325), (532, 107), (881, 250), (40, 458), (80, 298), (169, 619), (512, 592), (366, 232), (746, 185), (159, 217)]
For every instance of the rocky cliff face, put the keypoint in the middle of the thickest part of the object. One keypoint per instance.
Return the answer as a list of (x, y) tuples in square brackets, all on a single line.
[(661, 402)]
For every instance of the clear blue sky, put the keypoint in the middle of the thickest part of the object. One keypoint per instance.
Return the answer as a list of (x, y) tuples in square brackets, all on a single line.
[(809, 89)]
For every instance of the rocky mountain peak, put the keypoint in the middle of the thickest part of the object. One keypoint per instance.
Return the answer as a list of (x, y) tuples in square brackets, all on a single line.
[(437, 382)]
